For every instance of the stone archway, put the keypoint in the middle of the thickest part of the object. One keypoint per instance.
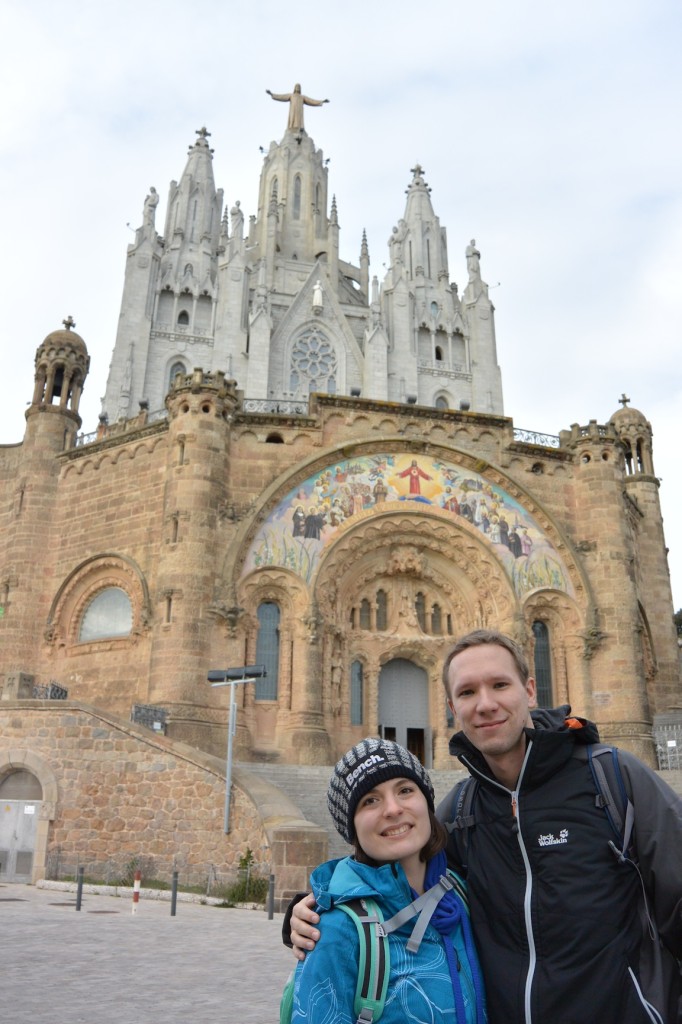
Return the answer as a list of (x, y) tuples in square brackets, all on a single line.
[(404, 707), (28, 799), (21, 797)]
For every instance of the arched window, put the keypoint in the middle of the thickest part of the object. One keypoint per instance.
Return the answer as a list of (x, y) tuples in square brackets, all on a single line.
[(442, 402), (183, 318), (267, 650), (297, 197), (439, 354), (175, 369), (543, 665), (382, 607), (436, 620), (365, 621), (109, 614), (356, 693)]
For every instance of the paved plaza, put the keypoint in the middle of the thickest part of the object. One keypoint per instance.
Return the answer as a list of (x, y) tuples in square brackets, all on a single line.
[(104, 965)]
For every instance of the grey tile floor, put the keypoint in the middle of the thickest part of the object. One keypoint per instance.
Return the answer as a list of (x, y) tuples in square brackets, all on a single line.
[(104, 965)]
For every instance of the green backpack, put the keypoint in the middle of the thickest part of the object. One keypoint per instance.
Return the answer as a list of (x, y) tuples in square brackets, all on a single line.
[(373, 964)]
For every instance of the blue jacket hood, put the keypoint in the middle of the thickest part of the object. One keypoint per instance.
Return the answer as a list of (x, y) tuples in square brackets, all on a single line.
[(338, 881)]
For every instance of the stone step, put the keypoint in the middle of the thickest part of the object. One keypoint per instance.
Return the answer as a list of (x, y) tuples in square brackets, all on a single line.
[(307, 785)]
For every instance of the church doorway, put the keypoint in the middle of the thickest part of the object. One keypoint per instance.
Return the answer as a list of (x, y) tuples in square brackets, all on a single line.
[(20, 801), (404, 707)]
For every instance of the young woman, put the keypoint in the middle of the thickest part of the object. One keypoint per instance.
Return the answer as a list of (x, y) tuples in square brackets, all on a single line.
[(382, 802)]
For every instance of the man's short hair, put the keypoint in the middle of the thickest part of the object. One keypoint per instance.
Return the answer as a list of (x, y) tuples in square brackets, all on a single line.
[(479, 637)]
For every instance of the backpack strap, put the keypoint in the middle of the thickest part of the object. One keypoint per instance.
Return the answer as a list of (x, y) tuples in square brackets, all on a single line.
[(423, 906), (374, 958), (456, 813), (612, 795)]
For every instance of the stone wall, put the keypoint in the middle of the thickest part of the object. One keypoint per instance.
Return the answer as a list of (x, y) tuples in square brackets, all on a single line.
[(114, 791)]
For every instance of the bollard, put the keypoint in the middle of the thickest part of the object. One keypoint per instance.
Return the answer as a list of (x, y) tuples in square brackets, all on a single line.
[(79, 889), (136, 891), (271, 897), (174, 893)]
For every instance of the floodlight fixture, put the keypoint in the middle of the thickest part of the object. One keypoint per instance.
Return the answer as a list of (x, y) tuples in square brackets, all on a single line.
[(227, 675)]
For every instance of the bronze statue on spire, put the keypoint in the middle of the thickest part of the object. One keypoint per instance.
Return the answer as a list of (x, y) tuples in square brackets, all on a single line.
[(296, 101)]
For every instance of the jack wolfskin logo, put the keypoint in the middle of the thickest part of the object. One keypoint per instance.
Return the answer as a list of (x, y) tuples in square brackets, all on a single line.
[(551, 840)]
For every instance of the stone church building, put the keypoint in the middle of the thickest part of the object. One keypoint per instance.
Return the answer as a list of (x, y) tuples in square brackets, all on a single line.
[(302, 466)]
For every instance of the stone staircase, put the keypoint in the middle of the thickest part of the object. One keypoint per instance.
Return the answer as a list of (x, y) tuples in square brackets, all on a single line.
[(306, 785)]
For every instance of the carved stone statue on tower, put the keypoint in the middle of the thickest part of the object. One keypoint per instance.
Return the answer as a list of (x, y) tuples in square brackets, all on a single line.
[(149, 213), (473, 261)]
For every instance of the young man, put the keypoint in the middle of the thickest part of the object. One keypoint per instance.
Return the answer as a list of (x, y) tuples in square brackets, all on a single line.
[(556, 914)]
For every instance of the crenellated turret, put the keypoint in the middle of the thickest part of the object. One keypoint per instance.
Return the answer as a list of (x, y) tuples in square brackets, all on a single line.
[(62, 363)]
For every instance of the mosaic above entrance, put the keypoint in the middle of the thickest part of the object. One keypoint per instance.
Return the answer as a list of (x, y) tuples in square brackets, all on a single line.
[(307, 519)]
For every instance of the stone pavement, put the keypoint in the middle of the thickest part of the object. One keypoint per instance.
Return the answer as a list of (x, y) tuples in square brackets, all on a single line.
[(104, 965)]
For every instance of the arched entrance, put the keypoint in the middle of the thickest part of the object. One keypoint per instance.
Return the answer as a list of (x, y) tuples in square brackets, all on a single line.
[(404, 707), (20, 802)]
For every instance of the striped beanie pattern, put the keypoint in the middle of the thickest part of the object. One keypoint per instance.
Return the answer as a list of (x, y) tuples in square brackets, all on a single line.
[(366, 765)]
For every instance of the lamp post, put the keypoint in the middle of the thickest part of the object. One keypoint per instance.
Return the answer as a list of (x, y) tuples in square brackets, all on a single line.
[(232, 677)]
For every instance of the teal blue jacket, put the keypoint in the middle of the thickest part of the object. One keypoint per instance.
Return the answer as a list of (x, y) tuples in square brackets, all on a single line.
[(420, 987)]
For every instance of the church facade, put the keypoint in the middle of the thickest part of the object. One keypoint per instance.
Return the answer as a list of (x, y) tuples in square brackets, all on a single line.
[(300, 466)]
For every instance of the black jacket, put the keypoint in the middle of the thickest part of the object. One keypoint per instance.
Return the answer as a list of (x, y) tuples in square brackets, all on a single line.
[(554, 913)]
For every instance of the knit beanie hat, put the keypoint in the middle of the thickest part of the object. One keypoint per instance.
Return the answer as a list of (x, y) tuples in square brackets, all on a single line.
[(368, 764)]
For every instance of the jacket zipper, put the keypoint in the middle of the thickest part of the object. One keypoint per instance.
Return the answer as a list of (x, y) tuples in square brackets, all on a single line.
[(527, 899), (514, 796)]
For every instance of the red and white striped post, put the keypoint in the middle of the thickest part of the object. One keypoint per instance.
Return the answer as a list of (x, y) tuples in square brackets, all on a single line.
[(136, 891)]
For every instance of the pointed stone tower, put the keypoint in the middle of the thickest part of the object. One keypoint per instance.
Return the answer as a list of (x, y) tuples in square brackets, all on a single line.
[(167, 314), (443, 350)]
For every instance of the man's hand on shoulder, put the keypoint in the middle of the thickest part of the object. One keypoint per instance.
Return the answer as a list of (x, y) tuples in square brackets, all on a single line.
[(302, 921)]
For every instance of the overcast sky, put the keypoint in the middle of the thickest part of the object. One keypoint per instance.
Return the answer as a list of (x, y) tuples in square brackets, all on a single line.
[(549, 132)]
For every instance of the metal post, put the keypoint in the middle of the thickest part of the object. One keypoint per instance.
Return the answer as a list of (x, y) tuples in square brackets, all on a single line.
[(231, 729), (174, 893), (231, 677), (79, 888), (271, 897)]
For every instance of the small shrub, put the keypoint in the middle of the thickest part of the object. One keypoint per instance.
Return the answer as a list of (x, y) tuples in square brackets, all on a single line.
[(248, 890)]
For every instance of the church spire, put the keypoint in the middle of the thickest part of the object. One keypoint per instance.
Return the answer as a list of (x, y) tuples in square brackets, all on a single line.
[(418, 243), (193, 222)]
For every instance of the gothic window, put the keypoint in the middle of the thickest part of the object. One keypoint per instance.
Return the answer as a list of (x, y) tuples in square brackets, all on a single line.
[(629, 467), (382, 608), (352, 618), (439, 354), (442, 402), (365, 619), (267, 650), (297, 197), (313, 362), (542, 665), (436, 620), (183, 318), (356, 693), (109, 614), (458, 352), (175, 369)]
